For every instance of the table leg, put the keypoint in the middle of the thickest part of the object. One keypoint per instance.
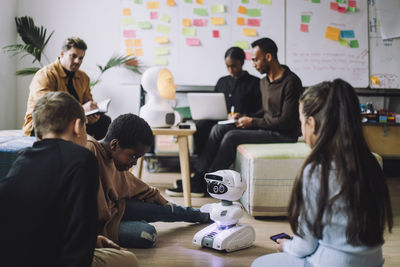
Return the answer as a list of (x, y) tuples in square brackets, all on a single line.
[(185, 168), (140, 170)]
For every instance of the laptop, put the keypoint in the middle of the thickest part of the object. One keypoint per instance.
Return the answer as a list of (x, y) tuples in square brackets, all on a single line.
[(207, 106)]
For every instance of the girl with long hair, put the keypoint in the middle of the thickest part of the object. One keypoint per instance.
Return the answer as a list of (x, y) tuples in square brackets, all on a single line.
[(340, 204)]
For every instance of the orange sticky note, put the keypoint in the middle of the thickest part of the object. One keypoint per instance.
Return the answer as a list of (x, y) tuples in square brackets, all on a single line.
[(218, 21), (161, 39), (332, 33), (129, 51), (242, 10), (128, 42), (374, 80), (200, 2), (186, 22), (126, 11), (249, 32), (240, 21), (138, 52), (170, 2), (137, 42), (152, 5)]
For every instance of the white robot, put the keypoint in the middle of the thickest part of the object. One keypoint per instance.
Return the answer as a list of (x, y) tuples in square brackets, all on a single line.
[(226, 233)]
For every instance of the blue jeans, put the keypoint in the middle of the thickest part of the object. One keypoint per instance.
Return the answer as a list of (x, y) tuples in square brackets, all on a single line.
[(135, 230)]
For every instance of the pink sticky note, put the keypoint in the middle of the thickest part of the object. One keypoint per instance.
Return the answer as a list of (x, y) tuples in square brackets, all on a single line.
[(334, 6), (129, 33), (248, 55), (352, 3), (215, 33), (304, 27), (253, 22), (153, 15), (342, 9), (193, 41), (199, 22)]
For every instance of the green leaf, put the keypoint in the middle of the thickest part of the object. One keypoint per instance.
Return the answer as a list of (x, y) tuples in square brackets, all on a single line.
[(27, 71)]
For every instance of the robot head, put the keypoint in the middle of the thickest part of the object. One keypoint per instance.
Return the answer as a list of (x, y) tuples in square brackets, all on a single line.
[(159, 82), (225, 184)]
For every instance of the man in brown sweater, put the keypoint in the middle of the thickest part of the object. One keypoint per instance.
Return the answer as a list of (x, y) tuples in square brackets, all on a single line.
[(126, 204)]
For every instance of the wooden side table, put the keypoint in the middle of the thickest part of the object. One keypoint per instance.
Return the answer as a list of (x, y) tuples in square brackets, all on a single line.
[(183, 143)]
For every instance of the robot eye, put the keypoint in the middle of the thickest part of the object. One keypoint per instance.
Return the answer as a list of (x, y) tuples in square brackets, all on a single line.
[(222, 189), (215, 189)]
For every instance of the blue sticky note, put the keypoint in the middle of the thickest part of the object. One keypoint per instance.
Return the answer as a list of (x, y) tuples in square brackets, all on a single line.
[(347, 34)]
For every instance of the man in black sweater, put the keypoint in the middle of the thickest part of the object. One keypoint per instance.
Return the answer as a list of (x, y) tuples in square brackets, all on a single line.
[(48, 199)]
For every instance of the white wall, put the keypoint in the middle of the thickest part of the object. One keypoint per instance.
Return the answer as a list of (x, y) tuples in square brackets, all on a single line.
[(8, 90), (98, 23)]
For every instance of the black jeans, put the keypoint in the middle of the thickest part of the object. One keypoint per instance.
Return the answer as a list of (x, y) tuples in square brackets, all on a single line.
[(99, 129)]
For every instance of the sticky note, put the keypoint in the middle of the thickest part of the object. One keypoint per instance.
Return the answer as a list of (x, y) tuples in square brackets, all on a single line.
[(170, 2), (342, 9), (153, 15), (240, 21), (255, 12), (163, 28), (375, 80), (334, 6), (264, 2), (161, 39), (217, 9), (305, 18), (144, 25), (160, 61), (332, 33), (138, 1), (128, 42), (129, 33), (200, 11), (129, 51), (354, 44), (189, 31), (215, 33), (199, 22), (160, 51), (128, 21), (152, 5), (126, 12), (138, 52), (193, 41), (242, 10), (249, 32), (186, 22), (315, 1), (166, 18), (343, 42), (247, 55), (200, 2), (352, 3), (341, 1), (351, 9), (217, 21), (347, 34), (245, 1), (137, 42), (304, 27), (188, 1), (253, 22), (242, 44)]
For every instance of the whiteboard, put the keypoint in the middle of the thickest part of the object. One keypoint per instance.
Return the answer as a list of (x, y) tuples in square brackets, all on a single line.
[(204, 64), (384, 54), (315, 58)]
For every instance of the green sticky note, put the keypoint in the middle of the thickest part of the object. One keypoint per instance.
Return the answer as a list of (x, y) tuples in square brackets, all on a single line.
[(264, 2), (315, 1), (144, 25), (354, 44), (189, 31), (343, 42), (253, 12), (200, 11), (163, 28), (138, 1), (160, 51), (305, 18), (166, 18), (189, 1), (242, 44), (160, 61), (245, 1), (217, 9), (341, 1), (351, 9), (128, 21)]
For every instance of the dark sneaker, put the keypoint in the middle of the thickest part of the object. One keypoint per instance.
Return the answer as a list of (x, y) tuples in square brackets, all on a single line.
[(196, 190)]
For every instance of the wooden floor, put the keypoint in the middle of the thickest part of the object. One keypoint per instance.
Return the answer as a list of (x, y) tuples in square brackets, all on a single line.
[(174, 246)]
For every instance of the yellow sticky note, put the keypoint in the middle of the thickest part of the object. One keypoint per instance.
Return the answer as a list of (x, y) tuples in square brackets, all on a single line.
[(242, 10), (128, 42), (126, 11), (129, 51), (186, 22), (137, 42), (240, 21), (249, 32), (138, 52), (200, 2), (374, 80), (161, 39), (152, 5), (170, 2), (332, 33), (217, 21)]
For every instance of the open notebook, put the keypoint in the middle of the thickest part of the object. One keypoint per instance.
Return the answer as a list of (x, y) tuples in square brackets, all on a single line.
[(102, 107)]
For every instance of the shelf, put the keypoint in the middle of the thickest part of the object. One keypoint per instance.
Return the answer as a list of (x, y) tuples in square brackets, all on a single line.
[(378, 92)]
